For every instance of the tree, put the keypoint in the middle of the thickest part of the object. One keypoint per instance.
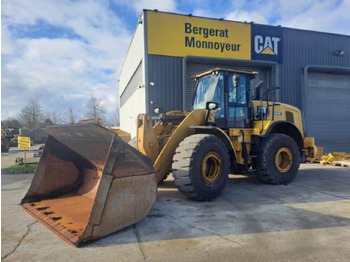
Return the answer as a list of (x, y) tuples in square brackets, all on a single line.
[(54, 117), (72, 117), (47, 122), (31, 114), (11, 123), (94, 108)]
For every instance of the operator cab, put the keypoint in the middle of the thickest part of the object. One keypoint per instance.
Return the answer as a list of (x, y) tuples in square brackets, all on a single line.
[(230, 89)]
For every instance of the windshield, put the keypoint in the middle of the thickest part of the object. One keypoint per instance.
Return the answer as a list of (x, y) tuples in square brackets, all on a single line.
[(210, 88)]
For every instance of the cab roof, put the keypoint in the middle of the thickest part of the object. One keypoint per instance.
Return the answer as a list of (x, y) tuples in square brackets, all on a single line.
[(227, 70)]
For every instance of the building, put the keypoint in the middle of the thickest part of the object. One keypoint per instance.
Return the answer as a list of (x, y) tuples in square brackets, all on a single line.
[(312, 68)]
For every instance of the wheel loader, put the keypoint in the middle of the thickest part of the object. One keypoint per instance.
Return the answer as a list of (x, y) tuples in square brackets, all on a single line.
[(5, 141), (89, 183)]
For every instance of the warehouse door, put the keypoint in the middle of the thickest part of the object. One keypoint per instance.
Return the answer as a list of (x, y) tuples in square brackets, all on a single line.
[(196, 68), (328, 110)]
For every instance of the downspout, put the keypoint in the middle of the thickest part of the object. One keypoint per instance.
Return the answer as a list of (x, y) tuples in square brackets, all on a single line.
[(145, 33)]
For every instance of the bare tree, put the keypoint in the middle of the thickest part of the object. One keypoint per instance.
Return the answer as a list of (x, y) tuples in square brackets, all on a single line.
[(11, 123), (55, 118), (31, 115), (72, 117), (94, 108)]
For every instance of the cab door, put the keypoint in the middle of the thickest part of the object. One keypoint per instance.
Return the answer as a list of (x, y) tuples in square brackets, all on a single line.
[(238, 101)]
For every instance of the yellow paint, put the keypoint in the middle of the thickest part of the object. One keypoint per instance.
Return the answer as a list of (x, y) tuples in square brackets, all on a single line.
[(170, 136), (268, 51), (24, 142), (280, 115), (167, 35), (147, 142), (162, 165)]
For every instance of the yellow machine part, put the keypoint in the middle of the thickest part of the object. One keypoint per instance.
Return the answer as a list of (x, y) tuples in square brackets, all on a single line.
[(89, 183), (5, 141), (172, 135)]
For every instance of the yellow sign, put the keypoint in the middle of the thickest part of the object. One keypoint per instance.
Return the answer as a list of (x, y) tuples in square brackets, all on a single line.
[(179, 35), (23, 142)]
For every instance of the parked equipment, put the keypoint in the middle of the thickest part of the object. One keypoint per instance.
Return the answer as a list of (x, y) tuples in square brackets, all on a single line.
[(90, 183), (5, 141)]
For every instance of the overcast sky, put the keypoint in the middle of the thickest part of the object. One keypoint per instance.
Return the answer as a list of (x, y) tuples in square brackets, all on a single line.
[(62, 51)]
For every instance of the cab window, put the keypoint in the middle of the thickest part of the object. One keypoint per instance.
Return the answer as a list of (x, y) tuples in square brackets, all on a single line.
[(237, 97)]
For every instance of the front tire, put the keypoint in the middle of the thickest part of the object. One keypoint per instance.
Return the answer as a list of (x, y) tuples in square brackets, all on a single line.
[(278, 159), (201, 167)]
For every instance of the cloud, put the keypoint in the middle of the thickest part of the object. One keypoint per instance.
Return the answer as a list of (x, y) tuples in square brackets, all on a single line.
[(61, 52), (63, 70), (320, 15), (161, 5), (242, 16), (138, 5)]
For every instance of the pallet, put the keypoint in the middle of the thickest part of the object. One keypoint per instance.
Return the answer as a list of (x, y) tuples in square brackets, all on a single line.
[(342, 163)]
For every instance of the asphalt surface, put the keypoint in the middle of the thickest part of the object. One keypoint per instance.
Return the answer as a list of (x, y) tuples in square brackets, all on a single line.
[(8, 158), (308, 220)]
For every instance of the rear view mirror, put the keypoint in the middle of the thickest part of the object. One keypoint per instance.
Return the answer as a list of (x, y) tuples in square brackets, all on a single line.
[(212, 105)]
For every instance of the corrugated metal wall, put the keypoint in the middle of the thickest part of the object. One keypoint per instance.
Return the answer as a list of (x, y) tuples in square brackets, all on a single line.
[(166, 74), (301, 48)]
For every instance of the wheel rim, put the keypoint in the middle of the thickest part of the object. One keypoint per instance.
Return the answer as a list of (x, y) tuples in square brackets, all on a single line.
[(211, 167), (283, 159)]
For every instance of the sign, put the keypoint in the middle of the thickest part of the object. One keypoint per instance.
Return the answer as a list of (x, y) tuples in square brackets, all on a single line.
[(179, 35), (266, 43), (23, 142)]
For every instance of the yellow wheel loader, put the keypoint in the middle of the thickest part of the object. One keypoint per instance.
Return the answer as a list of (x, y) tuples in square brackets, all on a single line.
[(5, 141), (90, 183)]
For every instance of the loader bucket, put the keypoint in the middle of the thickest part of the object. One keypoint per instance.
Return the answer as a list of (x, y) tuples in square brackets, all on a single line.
[(89, 183)]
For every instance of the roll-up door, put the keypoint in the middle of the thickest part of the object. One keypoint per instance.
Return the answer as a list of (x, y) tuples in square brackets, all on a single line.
[(328, 110)]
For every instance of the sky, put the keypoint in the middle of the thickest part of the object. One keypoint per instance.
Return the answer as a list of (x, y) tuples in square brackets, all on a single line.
[(61, 52)]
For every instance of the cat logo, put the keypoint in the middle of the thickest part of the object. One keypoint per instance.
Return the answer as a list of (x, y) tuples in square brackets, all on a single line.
[(267, 45)]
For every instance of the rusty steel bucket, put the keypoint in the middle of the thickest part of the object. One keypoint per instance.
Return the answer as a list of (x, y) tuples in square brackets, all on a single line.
[(89, 183)]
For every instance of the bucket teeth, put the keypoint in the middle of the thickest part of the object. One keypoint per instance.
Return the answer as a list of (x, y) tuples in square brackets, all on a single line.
[(89, 183)]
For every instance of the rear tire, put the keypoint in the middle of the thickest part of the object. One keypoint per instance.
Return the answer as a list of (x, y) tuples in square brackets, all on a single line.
[(201, 167), (278, 159)]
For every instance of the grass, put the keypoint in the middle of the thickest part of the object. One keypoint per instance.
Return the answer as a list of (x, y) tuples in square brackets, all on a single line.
[(18, 167)]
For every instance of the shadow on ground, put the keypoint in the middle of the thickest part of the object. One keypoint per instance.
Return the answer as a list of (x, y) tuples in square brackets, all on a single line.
[(246, 206)]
